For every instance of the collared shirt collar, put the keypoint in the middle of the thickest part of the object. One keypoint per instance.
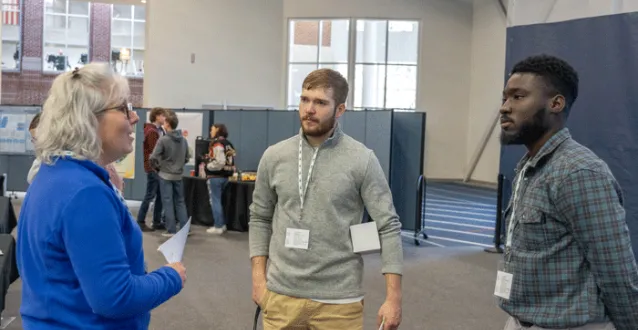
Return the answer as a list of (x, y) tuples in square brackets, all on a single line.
[(331, 141), (548, 148)]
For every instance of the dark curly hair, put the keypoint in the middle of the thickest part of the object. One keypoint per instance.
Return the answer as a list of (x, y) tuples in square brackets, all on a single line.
[(560, 77)]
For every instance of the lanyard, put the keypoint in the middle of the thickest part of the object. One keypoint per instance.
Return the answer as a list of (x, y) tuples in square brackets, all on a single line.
[(513, 220), (303, 188)]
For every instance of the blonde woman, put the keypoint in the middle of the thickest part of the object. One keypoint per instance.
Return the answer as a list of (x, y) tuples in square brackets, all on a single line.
[(116, 179), (79, 250)]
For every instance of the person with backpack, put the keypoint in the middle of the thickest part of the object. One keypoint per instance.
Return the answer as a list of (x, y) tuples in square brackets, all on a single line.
[(220, 164)]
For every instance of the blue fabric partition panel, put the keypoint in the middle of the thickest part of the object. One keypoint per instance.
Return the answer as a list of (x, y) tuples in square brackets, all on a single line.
[(282, 125), (19, 166), (603, 50), (4, 166), (247, 130), (378, 136), (353, 123), (408, 142), (254, 125)]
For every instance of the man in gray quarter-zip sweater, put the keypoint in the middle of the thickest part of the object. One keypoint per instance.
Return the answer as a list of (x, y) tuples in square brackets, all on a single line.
[(310, 189)]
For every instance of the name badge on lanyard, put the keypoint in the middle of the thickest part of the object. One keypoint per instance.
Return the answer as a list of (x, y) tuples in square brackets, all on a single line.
[(303, 188), (504, 278), (300, 238)]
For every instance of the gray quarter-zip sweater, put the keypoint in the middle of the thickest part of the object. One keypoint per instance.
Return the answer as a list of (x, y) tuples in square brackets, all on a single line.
[(170, 155), (346, 177)]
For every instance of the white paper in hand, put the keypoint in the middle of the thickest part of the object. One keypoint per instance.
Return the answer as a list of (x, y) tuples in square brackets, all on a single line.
[(173, 249)]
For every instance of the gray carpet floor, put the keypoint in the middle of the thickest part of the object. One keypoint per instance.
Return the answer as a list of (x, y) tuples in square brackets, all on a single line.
[(447, 288)]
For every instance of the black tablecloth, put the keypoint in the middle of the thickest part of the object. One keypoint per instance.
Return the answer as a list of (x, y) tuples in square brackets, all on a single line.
[(8, 220), (9, 271), (236, 199)]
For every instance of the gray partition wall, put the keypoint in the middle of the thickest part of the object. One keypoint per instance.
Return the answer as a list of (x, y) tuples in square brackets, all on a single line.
[(282, 125), (408, 142), (378, 130), (247, 129)]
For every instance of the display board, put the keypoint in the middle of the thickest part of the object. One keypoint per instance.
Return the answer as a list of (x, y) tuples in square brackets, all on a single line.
[(14, 129), (191, 125), (125, 167), (190, 122)]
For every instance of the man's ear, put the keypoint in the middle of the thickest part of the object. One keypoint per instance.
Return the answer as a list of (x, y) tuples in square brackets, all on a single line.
[(557, 104), (341, 109)]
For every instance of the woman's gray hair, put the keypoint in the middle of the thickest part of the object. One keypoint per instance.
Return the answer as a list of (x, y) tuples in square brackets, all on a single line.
[(69, 121)]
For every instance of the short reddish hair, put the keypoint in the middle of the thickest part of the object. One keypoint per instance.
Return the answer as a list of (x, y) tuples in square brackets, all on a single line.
[(329, 79)]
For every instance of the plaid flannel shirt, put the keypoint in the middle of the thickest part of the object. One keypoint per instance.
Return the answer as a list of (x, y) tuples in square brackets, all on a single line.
[(570, 254)]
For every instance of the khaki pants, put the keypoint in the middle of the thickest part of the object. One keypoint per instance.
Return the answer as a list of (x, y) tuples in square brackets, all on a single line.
[(281, 312)]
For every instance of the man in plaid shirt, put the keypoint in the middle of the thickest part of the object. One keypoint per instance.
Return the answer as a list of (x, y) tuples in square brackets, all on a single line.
[(568, 261)]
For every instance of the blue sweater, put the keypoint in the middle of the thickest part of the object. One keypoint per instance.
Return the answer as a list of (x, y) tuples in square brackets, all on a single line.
[(79, 253)]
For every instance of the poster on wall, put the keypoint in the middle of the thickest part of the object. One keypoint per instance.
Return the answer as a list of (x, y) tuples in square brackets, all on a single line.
[(191, 125), (125, 167), (13, 131)]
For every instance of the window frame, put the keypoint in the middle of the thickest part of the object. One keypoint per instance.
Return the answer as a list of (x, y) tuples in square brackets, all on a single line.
[(318, 63), (352, 57), (131, 49), (20, 35), (67, 16)]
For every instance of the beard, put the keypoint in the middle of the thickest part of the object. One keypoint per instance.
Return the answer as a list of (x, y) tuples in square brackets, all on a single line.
[(319, 128), (528, 132)]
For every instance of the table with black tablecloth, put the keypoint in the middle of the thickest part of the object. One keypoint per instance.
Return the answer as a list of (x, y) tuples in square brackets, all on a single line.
[(9, 270), (236, 199)]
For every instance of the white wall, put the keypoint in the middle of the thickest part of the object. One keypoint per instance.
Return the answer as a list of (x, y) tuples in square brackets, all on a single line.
[(444, 67), (237, 46), (487, 79), (240, 48)]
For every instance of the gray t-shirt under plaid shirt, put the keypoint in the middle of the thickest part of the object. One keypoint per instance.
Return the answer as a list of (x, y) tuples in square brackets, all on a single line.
[(571, 255)]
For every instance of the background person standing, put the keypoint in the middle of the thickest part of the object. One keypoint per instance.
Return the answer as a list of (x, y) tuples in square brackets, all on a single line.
[(152, 132)]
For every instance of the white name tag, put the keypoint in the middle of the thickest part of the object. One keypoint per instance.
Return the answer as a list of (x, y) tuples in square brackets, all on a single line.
[(503, 284), (297, 238)]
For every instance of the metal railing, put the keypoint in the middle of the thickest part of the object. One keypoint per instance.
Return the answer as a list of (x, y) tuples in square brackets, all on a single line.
[(419, 210), (498, 226)]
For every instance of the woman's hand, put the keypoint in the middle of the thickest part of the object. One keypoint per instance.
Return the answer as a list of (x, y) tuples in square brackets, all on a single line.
[(181, 270)]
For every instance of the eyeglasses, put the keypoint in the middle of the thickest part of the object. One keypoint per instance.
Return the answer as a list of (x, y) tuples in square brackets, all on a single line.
[(125, 108)]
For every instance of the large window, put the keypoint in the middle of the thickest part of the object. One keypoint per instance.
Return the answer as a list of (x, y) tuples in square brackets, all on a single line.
[(127, 39), (386, 64), (379, 59), (66, 34), (11, 35), (315, 44)]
